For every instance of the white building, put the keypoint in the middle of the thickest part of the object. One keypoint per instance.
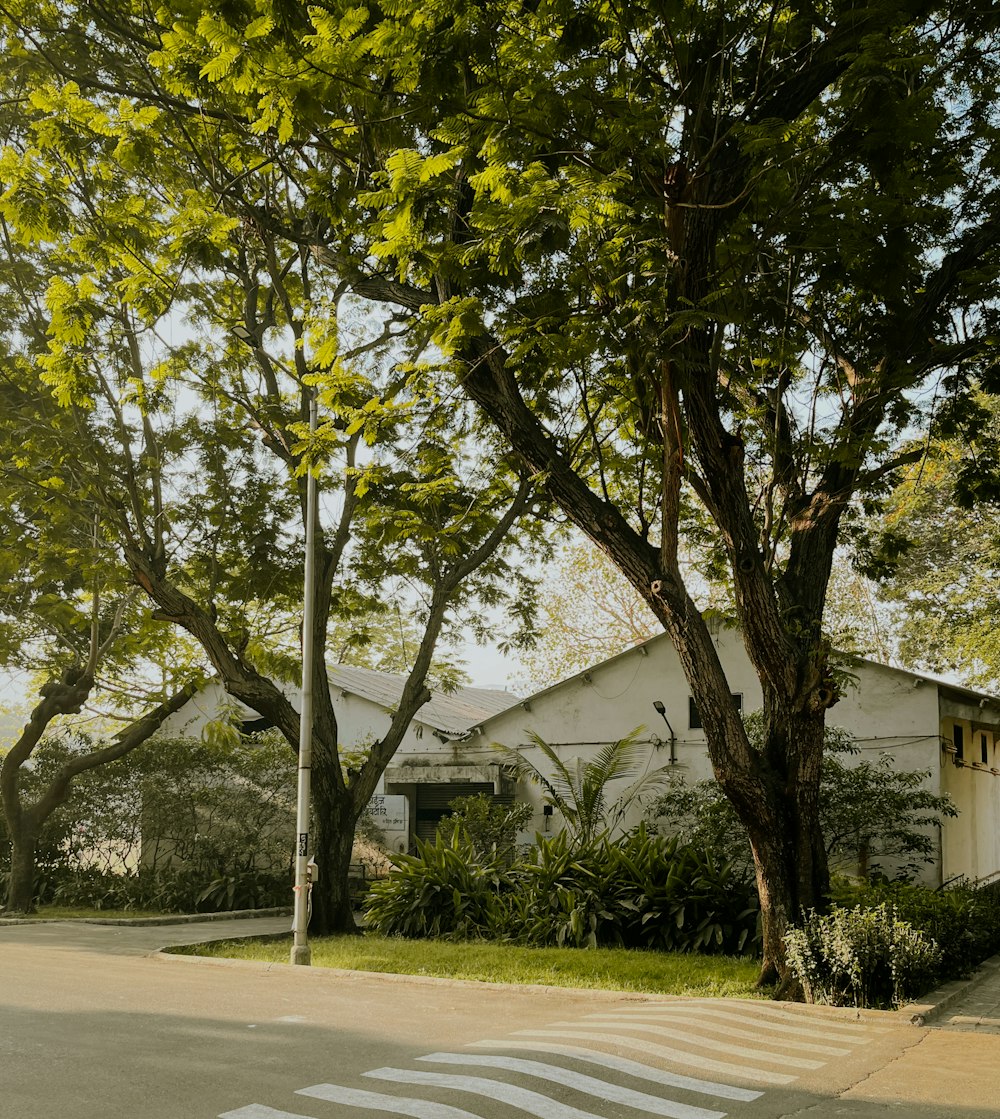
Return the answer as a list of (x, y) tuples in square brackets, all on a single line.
[(922, 722), (364, 700)]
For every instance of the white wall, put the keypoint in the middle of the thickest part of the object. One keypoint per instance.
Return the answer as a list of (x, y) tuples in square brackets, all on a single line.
[(359, 721), (972, 842), (882, 709)]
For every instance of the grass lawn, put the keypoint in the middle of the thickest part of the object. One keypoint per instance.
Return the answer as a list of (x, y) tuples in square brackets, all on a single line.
[(617, 969), (81, 913)]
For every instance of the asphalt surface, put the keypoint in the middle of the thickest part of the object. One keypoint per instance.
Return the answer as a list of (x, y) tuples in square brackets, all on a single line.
[(95, 1023)]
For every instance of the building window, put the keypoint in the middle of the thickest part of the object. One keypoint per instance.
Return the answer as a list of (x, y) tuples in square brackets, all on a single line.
[(984, 749), (958, 738), (694, 715)]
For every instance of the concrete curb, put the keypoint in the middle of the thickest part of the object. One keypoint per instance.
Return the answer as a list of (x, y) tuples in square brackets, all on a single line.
[(165, 919), (915, 1014), (937, 1002), (174, 954)]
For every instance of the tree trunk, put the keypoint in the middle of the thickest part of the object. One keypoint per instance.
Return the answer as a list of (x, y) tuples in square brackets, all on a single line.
[(334, 820), (864, 859), (21, 885), (779, 805)]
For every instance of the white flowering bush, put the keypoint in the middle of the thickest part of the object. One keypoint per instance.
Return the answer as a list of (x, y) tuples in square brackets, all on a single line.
[(862, 957)]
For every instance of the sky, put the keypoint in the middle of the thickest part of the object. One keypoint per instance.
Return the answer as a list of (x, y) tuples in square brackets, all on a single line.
[(486, 665), (489, 668)]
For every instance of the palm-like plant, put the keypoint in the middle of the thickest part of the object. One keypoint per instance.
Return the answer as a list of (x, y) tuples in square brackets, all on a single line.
[(582, 798)]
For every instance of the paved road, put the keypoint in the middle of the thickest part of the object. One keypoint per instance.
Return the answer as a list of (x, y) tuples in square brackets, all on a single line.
[(92, 1026)]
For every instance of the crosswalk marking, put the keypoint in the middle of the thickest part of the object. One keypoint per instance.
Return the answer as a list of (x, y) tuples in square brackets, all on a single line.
[(776, 1013), (743, 1019), (698, 1024), (375, 1101), (259, 1111), (730, 1031), (705, 1043), (590, 1085), (623, 1064), (682, 1056), (534, 1103)]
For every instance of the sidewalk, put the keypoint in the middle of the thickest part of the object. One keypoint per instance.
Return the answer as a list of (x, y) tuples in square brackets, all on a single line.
[(968, 1003), (141, 937)]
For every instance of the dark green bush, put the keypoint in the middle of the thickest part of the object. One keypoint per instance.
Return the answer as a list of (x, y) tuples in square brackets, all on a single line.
[(873, 816), (561, 894), (490, 827), (180, 825), (642, 891), (679, 897), (169, 889), (444, 890), (964, 920)]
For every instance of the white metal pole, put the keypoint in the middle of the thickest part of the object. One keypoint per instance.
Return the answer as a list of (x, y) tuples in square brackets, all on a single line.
[(301, 952)]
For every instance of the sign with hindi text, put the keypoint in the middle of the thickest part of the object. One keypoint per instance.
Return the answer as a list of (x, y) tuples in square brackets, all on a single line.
[(389, 813)]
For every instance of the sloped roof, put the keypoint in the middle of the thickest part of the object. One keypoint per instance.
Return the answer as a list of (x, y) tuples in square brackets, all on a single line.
[(943, 683), (450, 712)]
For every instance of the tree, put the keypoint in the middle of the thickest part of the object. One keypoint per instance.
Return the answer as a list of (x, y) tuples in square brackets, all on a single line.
[(384, 640), (199, 451), (24, 821), (587, 612), (875, 818), (935, 553), (857, 618), (68, 617), (720, 252)]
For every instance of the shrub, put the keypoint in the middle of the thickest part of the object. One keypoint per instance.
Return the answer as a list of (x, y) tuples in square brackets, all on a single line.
[(179, 824), (643, 891), (864, 957), (169, 889), (561, 894), (679, 897), (490, 827), (443, 890), (873, 816), (964, 919)]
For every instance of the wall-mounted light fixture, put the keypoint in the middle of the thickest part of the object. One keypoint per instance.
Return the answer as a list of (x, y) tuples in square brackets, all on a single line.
[(661, 710)]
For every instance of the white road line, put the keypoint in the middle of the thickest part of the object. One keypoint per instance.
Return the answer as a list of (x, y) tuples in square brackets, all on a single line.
[(591, 1085), (259, 1111), (779, 1015), (705, 1043), (623, 1064), (681, 1056), (376, 1101), (730, 1031), (534, 1103), (742, 1019)]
